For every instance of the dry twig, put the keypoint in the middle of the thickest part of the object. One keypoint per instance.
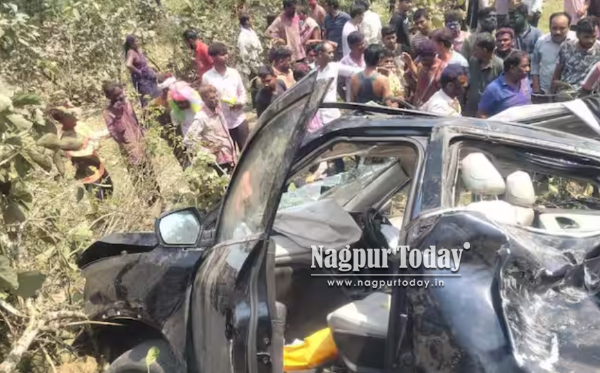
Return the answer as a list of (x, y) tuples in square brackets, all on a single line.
[(37, 323)]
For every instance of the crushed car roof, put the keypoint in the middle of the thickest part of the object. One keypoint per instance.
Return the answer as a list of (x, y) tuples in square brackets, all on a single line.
[(579, 117), (383, 121)]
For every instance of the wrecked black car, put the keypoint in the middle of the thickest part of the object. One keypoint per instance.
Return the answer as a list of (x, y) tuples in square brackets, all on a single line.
[(229, 292)]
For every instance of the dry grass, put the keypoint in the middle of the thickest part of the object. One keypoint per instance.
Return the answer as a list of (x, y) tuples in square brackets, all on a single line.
[(87, 366), (550, 6)]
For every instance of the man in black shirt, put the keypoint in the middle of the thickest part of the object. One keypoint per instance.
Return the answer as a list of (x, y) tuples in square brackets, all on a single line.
[(399, 22), (271, 88)]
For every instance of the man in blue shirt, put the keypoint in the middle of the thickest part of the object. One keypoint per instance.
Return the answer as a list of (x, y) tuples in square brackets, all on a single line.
[(334, 25), (511, 88)]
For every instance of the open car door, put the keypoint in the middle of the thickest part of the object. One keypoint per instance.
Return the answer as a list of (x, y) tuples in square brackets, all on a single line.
[(579, 117), (231, 310)]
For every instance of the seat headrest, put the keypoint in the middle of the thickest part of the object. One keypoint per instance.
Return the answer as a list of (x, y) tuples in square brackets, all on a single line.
[(480, 176), (519, 189)]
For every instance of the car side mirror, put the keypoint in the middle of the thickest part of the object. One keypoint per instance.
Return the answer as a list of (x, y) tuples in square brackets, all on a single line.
[(179, 228)]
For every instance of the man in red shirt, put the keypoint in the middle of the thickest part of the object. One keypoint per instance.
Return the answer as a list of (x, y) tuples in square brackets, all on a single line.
[(203, 61)]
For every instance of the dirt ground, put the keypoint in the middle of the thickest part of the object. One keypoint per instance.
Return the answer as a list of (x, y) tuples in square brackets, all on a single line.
[(88, 365)]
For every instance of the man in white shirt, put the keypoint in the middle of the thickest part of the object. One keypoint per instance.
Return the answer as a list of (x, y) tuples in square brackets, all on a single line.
[(356, 17), (534, 10), (250, 49), (232, 93), (545, 54), (249, 45), (355, 58), (327, 69), (443, 38), (453, 82), (371, 24)]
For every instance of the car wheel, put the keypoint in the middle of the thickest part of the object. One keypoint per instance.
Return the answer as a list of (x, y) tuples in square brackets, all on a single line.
[(134, 360)]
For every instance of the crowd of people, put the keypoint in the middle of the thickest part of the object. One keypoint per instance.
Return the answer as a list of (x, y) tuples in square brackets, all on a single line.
[(480, 63)]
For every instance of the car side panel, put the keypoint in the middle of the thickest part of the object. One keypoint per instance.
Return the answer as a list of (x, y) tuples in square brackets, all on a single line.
[(455, 328), (524, 300), (152, 288), (220, 307)]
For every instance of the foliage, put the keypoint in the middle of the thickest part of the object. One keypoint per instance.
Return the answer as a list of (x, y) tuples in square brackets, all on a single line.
[(40, 285), (152, 356), (70, 47), (206, 187), (558, 192), (74, 45)]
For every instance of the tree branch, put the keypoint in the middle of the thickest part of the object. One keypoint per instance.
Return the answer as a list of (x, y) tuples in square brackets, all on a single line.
[(9, 308), (34, 327), (9, 365)]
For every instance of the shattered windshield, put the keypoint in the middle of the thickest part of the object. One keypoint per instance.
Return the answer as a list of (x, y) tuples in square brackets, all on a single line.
[(342, 187)]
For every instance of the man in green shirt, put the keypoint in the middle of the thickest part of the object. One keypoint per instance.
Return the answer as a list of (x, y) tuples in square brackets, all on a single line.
[(484, 67)]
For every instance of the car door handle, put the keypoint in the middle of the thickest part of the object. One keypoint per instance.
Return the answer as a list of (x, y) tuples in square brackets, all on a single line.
[(566, 223)]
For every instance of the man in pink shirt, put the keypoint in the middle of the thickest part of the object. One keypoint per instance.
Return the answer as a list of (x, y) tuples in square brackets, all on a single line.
[(577, 9), (286, 30), (453, 20), (203, 60), (209, 131)]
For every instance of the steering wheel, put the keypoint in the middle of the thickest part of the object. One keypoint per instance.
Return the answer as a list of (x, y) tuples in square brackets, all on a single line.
[(372, 220)]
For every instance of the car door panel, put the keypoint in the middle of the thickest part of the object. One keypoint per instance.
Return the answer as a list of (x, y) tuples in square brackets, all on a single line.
[(560, 220), (503, 275), (230, 309), (528, 294)]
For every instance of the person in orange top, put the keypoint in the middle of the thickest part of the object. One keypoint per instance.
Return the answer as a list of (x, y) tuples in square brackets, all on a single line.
[(203, 61), (83, 143)]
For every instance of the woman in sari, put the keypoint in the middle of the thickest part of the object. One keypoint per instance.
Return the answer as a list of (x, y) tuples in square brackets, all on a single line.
[(83, 144), (143, 76)]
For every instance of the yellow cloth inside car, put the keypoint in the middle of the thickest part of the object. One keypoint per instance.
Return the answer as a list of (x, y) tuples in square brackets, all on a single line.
[(315, 350)]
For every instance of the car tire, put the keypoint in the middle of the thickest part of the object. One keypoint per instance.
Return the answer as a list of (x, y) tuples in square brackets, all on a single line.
[(134, 360)]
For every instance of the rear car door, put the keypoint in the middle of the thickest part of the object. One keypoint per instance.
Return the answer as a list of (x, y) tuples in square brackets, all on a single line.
[(504, 261), (231, 314)]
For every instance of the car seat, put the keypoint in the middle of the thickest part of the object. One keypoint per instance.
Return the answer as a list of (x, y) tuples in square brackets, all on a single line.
[(359, 330), (521, 194), (481, 178)]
